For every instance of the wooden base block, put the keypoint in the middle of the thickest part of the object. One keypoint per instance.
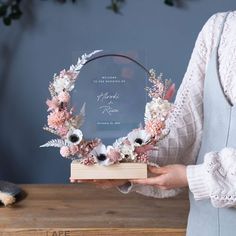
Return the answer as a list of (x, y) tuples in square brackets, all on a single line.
[(116, 171)]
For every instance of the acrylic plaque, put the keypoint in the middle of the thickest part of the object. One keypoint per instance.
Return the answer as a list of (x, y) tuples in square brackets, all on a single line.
[(113, 89)]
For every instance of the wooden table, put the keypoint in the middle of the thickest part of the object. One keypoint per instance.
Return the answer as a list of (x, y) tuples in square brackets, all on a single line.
[(82, 209)]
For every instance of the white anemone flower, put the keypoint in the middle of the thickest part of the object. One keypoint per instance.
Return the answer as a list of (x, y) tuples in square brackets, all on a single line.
[(139, 137), (63, 84), (74, 136), (100, 152)]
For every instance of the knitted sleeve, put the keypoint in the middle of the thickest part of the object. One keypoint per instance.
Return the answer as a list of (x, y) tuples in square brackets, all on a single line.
[(183, 143), (215, 178)]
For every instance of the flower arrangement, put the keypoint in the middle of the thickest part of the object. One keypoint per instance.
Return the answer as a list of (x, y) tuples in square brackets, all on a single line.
[(135, 147)]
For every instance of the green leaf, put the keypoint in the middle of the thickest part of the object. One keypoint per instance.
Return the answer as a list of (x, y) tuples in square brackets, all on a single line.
[(3, 10), (115, 6), (15, 16), (7, 20), (169, 2)]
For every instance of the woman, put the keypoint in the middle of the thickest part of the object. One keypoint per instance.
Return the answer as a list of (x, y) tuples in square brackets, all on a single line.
[(205, 120), (208, 91)]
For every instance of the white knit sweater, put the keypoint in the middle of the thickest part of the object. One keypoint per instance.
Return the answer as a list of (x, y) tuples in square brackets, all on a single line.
[(183, 143)]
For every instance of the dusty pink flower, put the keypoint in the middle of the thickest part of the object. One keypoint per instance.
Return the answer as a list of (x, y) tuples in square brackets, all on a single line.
[(142, 158), (74, 149), (154, 127), (89, 160), (85, 147), (144, 149), (56, 119), (63, 130), (93, 143), (64, 97), (114, 155), (52, 104), (65, 151)]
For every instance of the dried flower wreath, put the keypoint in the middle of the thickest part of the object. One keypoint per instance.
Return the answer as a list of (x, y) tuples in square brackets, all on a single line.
[(135, 147)]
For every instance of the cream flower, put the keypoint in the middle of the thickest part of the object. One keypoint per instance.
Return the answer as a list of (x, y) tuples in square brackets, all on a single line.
[(125, 148), (74, 136), (139, 137), (158, 108), (119, 142), (61, 84)]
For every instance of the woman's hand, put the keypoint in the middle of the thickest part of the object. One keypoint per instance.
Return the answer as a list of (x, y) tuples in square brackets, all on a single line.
[(101, 183), (167, 177)]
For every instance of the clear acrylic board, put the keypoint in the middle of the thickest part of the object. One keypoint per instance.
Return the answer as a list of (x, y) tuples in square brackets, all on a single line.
[(113, 89)]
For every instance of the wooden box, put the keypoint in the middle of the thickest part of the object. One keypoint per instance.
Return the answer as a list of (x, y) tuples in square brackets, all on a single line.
[(116, 171)]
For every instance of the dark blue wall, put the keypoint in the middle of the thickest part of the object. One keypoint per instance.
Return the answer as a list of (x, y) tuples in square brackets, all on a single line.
[(46, 40)]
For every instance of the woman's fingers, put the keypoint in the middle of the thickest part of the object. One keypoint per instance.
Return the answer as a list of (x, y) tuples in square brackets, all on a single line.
[(160, 181), (157, 170), (148, 181)]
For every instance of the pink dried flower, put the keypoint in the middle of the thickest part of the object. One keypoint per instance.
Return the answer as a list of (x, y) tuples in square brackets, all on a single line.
[(64, 97), (157, 89), (144, 149), (142, 158), (65, 151), (56, 119), (53, 104), (89, 160), (114, 155), (74, 149), (93, 143), (62, 131), (154, 127), (85, 147), (160, 88)]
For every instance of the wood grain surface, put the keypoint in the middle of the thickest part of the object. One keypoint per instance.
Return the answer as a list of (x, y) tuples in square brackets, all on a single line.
[(83, 209)]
